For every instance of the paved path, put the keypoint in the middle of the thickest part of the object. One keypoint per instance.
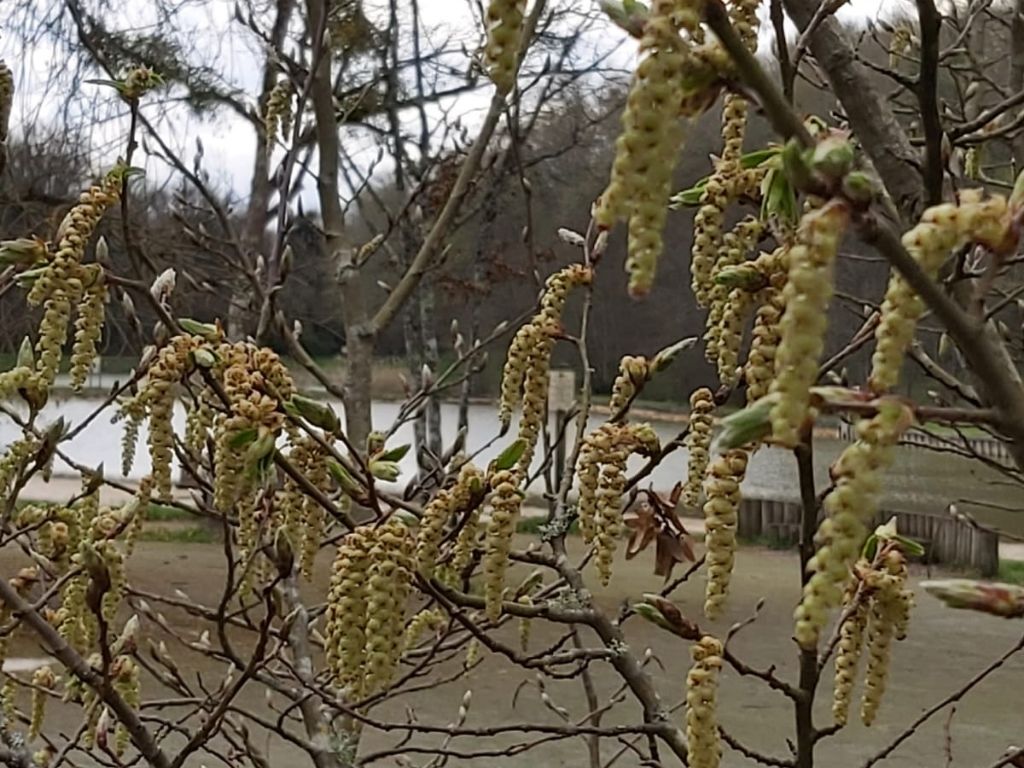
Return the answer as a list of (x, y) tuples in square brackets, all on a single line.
[(63, 488)]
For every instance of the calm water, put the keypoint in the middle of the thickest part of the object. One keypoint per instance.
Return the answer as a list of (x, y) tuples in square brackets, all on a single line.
[(920, 480)]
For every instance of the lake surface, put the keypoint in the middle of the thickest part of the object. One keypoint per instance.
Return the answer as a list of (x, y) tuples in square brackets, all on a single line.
[(920, 479)]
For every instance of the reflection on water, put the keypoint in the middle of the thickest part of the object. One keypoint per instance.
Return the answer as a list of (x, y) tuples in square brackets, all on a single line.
[(920, 480)]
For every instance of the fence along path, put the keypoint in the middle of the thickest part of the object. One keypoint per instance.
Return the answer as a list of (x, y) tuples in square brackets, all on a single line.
[(947, 539)]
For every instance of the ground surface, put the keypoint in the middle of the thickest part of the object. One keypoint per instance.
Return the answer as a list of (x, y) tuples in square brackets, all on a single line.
[(945, 648)]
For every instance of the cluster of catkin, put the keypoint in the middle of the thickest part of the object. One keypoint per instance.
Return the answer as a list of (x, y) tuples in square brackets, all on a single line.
[(64, 283), (601, 471), (447, 508), (849, 507), (877, 609), (729, 305), (633, 373), (648, 148), (703, 742), (303, 519), (728, 181), (370, 584), (526, 375), (84, 547), (87, 534)]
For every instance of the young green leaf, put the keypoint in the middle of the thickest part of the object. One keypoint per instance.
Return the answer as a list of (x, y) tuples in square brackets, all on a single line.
[(749, 425), (667, 356), (242, 438), (395, 454), (510, 456)]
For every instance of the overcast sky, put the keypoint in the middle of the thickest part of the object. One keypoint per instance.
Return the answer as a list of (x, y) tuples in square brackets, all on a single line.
[(228, 143)]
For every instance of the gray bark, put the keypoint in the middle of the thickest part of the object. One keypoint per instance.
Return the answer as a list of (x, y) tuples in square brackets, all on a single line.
[(239, 316), (1017, 72), (358, 340), (870, 116)]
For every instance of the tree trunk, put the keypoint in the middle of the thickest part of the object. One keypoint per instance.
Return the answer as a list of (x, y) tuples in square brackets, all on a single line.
[(870, 115), (239, 318), (359, 341), (1017, 73)]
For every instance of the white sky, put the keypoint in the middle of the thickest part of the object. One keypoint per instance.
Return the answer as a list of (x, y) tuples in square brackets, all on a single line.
[(219, 40)]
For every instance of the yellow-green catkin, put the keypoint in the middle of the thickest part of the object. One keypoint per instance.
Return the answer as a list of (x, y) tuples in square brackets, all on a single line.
[(199, 423), (444, 509), (849, 508), (125, 672), (633, 372), (314, 516), (707, 238), (611, 487), (113, 559), (602, 479), (429, 620), (504, 31), (472, 653), (899, 43), (59, 287), (43, 681), (649, 145), (6, 99), (345, 634), (529, 353), (132, 413), (848, 652), (19, 377), (737, 308), (277, 116), (588, 473), (698, 443), (22, 584), (887, 621), (736, 244), (139, 505), (759, 370), (722, 490), (535, 397), (506, 501), (88, 325), (14, 460), (806, 295), (158, 395), (743, 14), (388, 585), (702, 738), (941, 229), (466, 542), (524, 625)]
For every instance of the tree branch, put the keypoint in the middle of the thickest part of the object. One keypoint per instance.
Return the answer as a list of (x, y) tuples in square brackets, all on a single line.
[(1001, 384), (869, 114), (928, 99), (940, 705), (69, 657)]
